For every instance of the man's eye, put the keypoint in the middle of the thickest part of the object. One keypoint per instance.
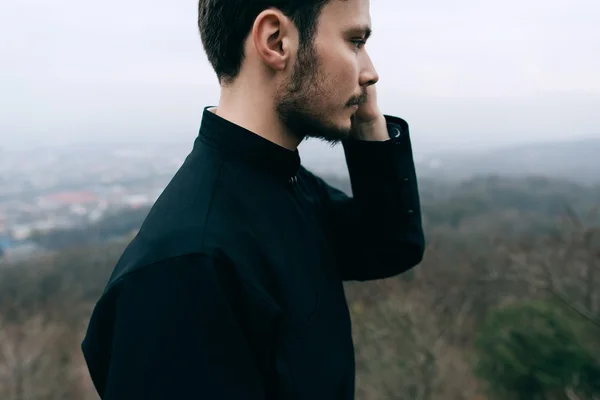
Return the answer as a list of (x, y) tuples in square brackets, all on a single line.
[(359, 43)]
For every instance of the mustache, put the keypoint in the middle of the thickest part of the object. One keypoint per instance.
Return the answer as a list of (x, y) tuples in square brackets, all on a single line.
[(358, 100)]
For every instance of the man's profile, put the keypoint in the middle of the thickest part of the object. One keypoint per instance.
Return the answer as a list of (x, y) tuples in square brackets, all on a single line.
[(233, 287)]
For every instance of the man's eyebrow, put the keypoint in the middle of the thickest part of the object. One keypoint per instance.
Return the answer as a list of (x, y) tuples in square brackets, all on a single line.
[(362, 30)]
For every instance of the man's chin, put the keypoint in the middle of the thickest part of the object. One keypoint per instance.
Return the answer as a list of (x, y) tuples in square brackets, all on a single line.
[(333, 134), (309, 125)]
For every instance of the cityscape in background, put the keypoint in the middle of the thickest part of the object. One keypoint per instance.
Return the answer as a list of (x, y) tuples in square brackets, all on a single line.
[(44, 189)]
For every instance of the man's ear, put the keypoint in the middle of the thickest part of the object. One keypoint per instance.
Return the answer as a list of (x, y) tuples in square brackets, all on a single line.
[(272, 37)]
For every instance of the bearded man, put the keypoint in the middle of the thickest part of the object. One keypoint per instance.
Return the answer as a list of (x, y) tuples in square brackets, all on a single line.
[(233, 287)]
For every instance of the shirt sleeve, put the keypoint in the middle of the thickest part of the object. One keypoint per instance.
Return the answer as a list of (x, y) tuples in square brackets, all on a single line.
[(169, 332), (378, 231)]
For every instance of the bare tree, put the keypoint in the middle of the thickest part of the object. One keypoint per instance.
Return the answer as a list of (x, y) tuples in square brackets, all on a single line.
[(35, 360)]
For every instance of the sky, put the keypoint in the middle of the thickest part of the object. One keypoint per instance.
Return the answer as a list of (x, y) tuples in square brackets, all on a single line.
[(463, 73)]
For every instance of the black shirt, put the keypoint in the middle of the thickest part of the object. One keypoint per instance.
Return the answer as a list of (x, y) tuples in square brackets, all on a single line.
[(233, 287)]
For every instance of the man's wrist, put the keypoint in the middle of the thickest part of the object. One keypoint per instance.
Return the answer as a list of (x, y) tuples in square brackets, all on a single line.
[(375, 130)]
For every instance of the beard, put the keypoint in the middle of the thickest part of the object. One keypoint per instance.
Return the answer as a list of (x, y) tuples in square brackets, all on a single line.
[(299, 104)]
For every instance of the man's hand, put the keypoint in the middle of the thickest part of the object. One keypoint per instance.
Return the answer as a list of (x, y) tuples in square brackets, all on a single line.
[(368, 123)]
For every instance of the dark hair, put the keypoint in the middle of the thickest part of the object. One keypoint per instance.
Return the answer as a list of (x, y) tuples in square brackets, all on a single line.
[(225, 24)]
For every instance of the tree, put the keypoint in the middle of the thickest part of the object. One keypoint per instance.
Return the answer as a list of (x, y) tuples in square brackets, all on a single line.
[(529, 351), (36, 361)]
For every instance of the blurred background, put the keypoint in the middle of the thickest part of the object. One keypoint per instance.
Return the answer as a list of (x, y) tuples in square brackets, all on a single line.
[(101, 102)]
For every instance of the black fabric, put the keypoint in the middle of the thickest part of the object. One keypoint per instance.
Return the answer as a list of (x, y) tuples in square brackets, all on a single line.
[(233, 287)]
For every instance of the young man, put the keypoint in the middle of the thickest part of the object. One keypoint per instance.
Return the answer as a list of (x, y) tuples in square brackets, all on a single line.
[(233, 288)]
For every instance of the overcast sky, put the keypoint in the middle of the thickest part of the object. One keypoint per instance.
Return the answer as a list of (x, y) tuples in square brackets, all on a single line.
[(463, 73)]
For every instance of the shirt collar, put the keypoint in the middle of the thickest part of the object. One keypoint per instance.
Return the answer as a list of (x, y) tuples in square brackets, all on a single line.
[(243, 145)]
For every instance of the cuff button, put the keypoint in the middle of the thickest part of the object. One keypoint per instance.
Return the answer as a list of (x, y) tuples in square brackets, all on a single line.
[(394, 132)]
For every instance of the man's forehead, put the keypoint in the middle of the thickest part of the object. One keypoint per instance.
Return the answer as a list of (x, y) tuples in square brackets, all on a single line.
[(350, 15)]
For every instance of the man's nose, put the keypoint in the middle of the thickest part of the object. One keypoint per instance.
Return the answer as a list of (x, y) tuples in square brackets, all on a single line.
[(368, 75)]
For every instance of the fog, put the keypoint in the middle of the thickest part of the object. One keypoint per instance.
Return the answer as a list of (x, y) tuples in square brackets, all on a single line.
[(468, 74)]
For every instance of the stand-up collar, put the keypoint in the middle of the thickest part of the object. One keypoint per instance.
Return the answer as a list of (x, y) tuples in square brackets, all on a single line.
[(246, 146)]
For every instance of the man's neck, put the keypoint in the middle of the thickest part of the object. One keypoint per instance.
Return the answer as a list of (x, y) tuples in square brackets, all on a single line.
[(251, 109)]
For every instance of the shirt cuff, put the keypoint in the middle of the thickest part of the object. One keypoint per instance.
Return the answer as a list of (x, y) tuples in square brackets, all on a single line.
[(389, 164), (375, 156)]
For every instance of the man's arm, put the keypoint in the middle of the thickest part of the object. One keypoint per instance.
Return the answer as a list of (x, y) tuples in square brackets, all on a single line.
[(169, 332), (378, 232)]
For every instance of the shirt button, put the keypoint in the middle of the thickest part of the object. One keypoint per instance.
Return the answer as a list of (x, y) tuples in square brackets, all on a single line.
[(411, 211)]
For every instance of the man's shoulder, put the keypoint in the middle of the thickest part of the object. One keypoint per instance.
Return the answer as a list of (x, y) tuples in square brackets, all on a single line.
[(177, 221), (195, 214), (175, 225), (167, 252)]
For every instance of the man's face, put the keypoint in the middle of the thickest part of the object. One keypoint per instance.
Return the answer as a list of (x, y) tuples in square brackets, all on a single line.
[(329, 79)]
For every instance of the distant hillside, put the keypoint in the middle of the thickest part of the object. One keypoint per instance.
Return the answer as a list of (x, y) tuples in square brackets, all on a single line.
[(515, 206), (577, 161), (505, 285)]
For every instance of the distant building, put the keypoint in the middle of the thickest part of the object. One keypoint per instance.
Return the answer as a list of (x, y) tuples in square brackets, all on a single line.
[(21, 232), (67, 199), (5, 244), (137, 200)]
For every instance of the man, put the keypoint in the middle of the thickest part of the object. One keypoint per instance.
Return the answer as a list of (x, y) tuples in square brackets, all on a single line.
[(233, 288)]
